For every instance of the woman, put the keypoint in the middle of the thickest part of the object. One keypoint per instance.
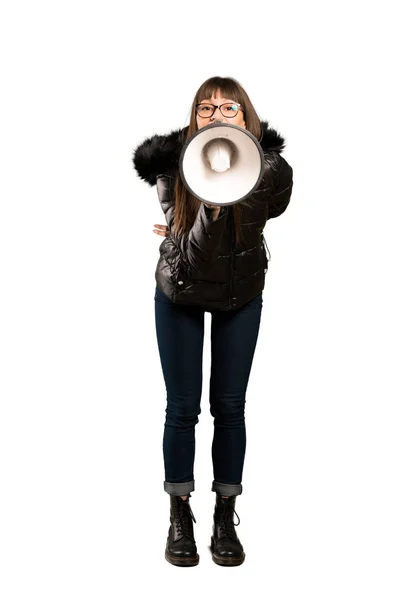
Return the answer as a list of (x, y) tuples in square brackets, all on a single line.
[(212, 259)]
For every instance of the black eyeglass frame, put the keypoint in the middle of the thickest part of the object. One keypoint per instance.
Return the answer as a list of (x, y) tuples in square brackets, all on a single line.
[(215, 108)]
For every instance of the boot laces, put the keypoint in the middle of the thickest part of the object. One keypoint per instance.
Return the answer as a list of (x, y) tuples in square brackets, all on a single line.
[(226, 523), (184, 520)]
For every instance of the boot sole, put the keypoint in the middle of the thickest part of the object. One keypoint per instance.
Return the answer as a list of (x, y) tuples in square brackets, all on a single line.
[(182, 562), (228, 561)]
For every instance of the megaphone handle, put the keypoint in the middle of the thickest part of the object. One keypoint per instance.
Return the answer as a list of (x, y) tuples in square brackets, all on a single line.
[(214, 211)]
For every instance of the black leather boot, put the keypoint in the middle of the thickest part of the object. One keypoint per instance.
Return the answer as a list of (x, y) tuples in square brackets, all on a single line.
[(225, 545), (181, 547)]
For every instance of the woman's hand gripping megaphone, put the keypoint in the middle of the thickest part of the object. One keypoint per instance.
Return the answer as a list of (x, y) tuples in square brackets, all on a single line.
[(215, 210)]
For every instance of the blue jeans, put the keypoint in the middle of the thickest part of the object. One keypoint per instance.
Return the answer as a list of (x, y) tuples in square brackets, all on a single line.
[(180, 335)]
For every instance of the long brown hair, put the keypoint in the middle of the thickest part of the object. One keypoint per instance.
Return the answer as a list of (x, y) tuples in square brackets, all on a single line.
[(186, 205)]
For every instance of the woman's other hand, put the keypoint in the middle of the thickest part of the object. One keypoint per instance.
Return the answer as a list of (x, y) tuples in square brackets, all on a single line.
[(161, 230), (164, 231)]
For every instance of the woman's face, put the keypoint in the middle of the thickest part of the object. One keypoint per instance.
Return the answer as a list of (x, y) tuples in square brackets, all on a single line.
[(217, 99)]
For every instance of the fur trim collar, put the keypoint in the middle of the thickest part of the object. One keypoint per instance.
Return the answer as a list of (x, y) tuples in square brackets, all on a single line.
[(160, 154)]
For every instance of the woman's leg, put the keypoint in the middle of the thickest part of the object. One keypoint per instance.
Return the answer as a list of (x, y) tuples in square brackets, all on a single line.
[(233, 341), (180, 335)]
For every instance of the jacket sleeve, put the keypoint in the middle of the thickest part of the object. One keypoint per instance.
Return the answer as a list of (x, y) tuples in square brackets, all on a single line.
[(282, 189), (276, 185), (199, 247)]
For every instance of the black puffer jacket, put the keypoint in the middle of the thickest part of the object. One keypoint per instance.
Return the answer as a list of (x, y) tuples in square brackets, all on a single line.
[(205, 266)]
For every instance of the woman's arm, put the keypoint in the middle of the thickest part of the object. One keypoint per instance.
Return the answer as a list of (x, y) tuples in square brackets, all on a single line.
[(199, 246), (282, 189), (275, 188)]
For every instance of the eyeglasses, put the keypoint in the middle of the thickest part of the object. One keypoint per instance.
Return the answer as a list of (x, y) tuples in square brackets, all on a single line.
[(228, 109)]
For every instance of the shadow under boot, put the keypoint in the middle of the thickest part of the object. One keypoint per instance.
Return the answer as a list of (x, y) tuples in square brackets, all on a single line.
[(181, 549), (225, 545)]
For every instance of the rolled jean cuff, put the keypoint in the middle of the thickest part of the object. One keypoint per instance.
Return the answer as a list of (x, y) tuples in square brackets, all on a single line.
[(227, 489), (179, 489)]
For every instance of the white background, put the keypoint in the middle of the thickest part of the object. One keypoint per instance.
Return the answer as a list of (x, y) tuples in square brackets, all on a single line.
[(83, 512)]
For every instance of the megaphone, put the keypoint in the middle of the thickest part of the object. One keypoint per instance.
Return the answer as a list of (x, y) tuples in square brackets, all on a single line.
[(221, 164)]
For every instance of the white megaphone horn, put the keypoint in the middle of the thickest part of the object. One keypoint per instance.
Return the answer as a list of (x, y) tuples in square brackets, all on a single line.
[(221, 164)]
